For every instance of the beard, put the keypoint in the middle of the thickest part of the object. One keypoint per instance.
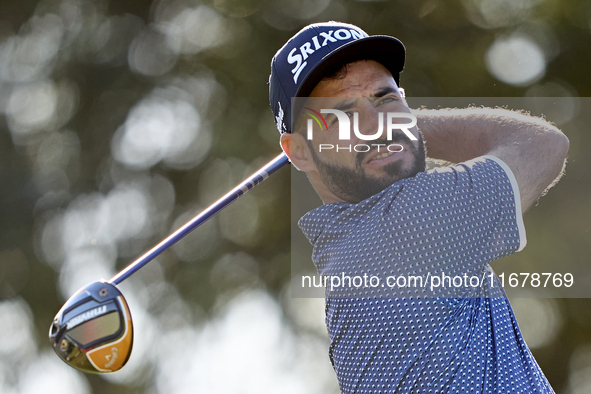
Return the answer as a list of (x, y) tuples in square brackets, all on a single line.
[(353, 185)]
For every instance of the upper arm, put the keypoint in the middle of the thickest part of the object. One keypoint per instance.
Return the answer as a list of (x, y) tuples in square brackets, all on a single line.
[(532, 148), (536, 154), (472, 205)]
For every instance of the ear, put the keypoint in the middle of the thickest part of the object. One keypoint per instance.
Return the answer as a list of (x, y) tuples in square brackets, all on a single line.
[(298, 151)]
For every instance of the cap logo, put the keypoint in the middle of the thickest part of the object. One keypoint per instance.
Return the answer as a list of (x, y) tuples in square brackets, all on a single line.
[(306, 49), (279, 119)]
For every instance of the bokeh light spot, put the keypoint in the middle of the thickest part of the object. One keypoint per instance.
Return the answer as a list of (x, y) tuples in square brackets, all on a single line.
[(516, 60), (156, 129), (539, 320), (31, 107), (150, 54)]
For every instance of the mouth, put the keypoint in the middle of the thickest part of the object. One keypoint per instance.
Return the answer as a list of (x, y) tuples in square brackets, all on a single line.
[(382, 157)]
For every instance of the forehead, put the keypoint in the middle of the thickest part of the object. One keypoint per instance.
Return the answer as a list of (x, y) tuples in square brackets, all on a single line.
[(364, 78)]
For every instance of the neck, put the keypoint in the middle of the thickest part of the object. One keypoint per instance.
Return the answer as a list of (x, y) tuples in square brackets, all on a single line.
[(323, 192)]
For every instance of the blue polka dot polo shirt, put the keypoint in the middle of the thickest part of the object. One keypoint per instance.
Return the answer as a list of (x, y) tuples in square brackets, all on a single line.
[(453, 220)]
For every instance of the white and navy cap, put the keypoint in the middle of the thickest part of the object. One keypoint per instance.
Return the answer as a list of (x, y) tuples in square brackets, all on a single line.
[(305, 59)]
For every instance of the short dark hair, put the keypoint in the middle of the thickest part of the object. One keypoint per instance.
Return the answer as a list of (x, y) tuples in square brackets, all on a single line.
[(339, 71)]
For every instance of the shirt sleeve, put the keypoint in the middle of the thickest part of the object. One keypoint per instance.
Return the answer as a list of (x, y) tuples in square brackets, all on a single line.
[(516, 200), (467, 215)]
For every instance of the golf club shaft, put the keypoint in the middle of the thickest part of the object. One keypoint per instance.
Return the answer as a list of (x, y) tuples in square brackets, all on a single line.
[(198, 220)]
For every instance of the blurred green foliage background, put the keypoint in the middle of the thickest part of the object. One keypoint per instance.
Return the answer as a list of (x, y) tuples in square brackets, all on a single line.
[(120, 120)]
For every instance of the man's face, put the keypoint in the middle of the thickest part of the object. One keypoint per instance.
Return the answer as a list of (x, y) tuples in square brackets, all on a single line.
[(367, 89)]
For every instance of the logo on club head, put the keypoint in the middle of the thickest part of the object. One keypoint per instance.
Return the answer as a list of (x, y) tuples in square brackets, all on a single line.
[(111, 358), (101, 310)]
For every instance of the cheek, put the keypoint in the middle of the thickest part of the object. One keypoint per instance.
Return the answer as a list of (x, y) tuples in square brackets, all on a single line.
[(324, 144), (327, 152)]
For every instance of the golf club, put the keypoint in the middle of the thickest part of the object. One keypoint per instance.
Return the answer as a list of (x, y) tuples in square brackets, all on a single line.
[(93, 331)]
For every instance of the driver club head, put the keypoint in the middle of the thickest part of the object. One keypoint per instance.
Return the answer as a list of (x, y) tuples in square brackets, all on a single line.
[(93, 331)]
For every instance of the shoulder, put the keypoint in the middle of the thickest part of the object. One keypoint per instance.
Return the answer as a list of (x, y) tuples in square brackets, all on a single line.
[(484, 174)]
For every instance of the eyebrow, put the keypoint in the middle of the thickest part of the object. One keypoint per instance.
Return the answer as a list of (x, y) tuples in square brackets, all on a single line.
[(385, 91), (341, 106), (345, 105), (348, 104)]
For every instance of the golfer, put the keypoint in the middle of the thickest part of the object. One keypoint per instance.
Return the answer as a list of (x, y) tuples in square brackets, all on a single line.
[(384, 216)]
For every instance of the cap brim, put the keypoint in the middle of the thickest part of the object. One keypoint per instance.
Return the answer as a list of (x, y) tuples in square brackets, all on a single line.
[(387, 50)]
